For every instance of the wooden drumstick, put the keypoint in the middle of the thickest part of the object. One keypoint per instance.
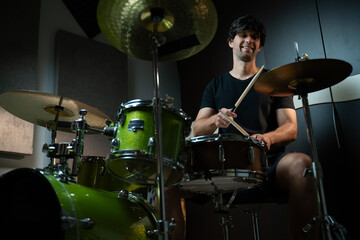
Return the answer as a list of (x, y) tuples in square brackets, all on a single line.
[(247, 89), (235, 124)]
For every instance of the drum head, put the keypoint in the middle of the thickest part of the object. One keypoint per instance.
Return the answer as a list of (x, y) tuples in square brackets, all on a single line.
[(29, 206)]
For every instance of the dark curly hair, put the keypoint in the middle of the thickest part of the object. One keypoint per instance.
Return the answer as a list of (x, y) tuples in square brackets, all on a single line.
[(249, 23)]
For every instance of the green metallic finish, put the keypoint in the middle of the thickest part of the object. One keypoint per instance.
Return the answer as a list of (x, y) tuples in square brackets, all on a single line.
[(134, 159), (173, 138), (115, 217), (93, 173)]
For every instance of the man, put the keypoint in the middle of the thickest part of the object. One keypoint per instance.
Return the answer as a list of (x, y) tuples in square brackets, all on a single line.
[(271, 120)]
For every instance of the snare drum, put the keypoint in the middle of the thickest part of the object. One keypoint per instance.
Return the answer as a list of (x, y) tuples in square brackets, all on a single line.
[(224, 162), (37, 204), (133, 148)]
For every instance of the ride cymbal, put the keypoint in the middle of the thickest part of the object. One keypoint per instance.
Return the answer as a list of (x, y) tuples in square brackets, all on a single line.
[(303, 77), (40, 108), (185, 26)]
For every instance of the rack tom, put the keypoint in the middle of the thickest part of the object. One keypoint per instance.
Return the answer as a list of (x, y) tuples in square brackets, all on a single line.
[(133, 153)]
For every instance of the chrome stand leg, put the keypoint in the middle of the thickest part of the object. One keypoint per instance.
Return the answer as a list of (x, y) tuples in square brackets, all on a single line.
[(254, 217), (163, 224)]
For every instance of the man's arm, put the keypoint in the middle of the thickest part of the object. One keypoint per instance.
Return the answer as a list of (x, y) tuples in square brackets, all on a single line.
[(285, 133), (208, 120)]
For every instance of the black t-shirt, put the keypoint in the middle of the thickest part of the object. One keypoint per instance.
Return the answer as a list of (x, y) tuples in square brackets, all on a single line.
[(255, 114)]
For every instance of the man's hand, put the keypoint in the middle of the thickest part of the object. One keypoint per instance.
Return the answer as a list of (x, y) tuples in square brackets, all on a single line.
[(221, 121)]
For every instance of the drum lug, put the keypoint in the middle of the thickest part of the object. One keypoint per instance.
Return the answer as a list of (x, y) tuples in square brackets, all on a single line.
[(120, 116), (69, 222), (124, 193), (152, 233), (115, 143), (221, 153), (163, 226), (251, 154), (151, 144)]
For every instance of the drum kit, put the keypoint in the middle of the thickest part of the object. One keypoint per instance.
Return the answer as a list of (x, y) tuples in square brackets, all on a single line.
[(95, 197)]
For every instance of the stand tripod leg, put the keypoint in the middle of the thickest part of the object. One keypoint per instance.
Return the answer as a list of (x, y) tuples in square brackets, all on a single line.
[(326, 221), (225, 219), (254, 217)]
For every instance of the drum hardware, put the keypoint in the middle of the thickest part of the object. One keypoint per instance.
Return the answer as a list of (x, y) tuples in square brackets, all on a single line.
[(251, 154), (64, 151), (78, 126), (69, 222), (151, 144), (301, 78), (223, 211)]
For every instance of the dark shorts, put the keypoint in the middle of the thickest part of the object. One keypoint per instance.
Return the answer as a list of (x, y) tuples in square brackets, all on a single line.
[(273, 161)]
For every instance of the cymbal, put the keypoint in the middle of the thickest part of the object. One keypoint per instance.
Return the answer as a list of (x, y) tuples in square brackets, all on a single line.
[(187, 26), (40, 108), (302, 77)]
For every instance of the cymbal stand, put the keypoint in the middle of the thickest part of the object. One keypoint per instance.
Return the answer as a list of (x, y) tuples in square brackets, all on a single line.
[(328, 224), (53, 127), (163, 224), (225, 217), (79, 126)]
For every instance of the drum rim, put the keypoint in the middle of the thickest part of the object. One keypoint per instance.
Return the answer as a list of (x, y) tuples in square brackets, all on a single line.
[(149, 103), (130, 153), (222, 137), (189, 185), (178, 168), (92, 158), (226, 173)]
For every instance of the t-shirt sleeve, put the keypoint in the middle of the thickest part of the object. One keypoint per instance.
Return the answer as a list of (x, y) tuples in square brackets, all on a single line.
[(283, 102)]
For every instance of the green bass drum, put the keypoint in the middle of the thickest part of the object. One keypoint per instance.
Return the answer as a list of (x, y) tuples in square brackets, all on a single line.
[(37, 205)]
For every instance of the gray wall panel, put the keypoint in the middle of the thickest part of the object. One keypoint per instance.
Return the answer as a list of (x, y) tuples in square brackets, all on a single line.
[(91, 72), (340, 22), (18, 44)]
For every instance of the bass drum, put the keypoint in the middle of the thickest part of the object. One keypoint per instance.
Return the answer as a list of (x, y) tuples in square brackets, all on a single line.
[(35, 204)]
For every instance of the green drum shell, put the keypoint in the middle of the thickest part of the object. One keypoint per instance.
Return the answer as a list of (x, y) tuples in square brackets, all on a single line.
[(115, 217), (93, 173), (173, 131), (133, 158), (68, 206)]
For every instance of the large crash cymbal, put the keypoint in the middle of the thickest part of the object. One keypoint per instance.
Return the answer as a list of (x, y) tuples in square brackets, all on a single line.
[(187, 25), (39, 108), (303, 77)]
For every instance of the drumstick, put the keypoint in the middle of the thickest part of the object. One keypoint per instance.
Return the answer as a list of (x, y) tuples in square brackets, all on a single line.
[(247, 89), (235, 124)]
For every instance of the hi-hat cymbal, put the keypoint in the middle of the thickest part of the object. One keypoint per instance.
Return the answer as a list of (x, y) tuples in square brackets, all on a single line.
[(40, 108), (187, 26), (303, 77)]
